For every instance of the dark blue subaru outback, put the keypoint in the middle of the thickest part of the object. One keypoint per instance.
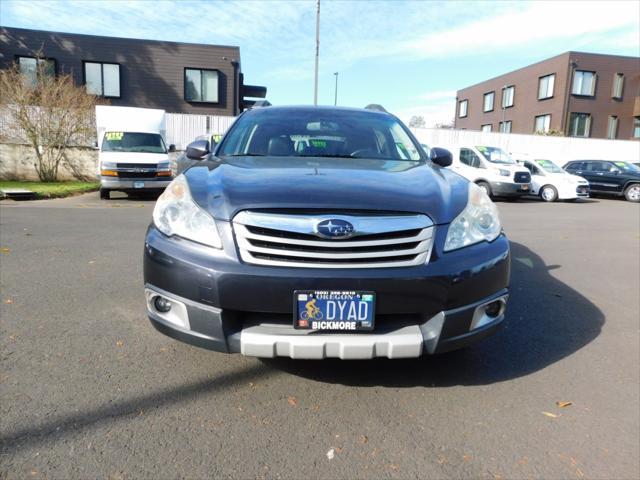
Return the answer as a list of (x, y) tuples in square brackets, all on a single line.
[(313, 232)]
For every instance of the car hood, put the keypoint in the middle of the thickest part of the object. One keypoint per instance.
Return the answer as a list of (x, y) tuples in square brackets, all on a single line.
[(225, 187)]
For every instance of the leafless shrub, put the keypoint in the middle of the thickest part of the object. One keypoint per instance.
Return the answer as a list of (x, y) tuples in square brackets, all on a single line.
[(48, 112)]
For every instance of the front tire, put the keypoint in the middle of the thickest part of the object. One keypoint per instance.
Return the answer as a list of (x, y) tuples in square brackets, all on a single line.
[(548, 193), (486, 187), (632, 193), (104, 194)]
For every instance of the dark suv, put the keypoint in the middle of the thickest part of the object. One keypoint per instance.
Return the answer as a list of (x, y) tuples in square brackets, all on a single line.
[(609, 177), (313, 232)]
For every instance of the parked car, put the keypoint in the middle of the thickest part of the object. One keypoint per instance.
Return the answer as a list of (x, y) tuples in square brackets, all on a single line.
[(492, 169), (356, 248), (609, 177), (132, 152), (552, 183)]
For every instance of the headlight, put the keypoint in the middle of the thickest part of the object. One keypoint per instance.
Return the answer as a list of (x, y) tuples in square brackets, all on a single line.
[(176, 213), (503, 172), (164, 166), (104, 165), (479, 221)]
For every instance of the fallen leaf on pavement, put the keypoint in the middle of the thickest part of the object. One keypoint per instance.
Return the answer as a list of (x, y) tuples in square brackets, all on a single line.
[(549, 414), (119, 343), (564, 404), (292, 401), (5, 250), (8, 301), (92, 261), (363, 439)]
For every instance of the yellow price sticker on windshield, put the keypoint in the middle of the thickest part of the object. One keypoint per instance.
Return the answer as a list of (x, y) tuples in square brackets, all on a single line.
[(114, 135)]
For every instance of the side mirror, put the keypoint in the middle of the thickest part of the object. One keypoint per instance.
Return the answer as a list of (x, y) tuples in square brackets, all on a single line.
[(441, 156), (172, 148), (198, 150)]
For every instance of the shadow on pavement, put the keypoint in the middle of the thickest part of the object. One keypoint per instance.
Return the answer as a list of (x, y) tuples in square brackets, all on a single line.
[(546, 321), (129, 408)]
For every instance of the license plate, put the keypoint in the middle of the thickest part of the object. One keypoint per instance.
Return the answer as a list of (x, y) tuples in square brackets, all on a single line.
[(334, 310), (524, 187), (138, 184)]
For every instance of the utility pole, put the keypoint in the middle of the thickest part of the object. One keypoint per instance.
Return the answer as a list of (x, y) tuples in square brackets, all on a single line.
[(335, 99), (315, 86)]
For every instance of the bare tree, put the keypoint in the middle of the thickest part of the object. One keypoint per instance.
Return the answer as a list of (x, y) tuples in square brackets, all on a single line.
[(48, 112), (417, 121)]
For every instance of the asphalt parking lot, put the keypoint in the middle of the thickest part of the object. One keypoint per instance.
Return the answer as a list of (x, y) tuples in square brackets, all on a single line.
[(88, 389)]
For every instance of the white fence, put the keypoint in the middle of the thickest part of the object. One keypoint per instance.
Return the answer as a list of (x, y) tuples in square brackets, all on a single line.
[(558, 149), (184, 128)]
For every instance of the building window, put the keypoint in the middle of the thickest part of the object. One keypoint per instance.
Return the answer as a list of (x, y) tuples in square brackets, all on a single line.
[(584, 83), (505, 127), (507, 96), (102, 79), (488, 101), (580, 124), (200, 85), (612, 127), (542, 124), (462, 108), (486, 128), (545, 86), (636, 127), (30, 67), (618, 86)]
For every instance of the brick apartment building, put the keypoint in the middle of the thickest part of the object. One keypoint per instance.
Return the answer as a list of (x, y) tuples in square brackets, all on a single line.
[(174, 76), (578, 94)]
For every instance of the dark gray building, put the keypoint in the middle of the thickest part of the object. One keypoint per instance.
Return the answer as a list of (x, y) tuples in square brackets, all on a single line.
[(176, 77)]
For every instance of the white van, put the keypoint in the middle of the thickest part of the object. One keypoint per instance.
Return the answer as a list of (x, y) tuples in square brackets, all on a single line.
[(132, 151), (552, 183), (492, 169)]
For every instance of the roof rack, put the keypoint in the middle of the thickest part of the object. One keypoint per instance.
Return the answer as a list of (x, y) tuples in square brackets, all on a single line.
[(377, 107)]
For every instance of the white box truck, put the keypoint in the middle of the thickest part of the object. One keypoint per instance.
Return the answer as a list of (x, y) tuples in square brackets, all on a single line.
[(132, 152)]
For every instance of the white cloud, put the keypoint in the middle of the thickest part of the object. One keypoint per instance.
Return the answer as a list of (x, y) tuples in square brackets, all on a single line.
[(540, 23), (433, 113)]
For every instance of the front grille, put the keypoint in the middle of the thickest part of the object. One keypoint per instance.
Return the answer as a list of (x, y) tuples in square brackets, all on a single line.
[(152, 166), (283, 239), (136, 174), (522, 177)]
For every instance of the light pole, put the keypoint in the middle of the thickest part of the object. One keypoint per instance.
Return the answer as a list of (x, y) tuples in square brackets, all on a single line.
[(335, 98), (315, 86)]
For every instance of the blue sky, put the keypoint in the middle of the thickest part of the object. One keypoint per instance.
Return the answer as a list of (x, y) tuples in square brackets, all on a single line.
[(410, 56)]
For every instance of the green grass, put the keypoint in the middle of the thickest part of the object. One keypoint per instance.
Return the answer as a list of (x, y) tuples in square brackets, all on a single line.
[(53, 189)]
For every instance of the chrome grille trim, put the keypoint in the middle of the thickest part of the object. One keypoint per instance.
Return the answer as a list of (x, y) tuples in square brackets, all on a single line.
[(271, 250)]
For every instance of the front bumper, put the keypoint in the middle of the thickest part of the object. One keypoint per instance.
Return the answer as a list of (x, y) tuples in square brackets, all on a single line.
[(508, 189), (114, 183), (225, 305)]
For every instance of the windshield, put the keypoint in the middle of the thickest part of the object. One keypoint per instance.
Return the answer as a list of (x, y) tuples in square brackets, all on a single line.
[(549, 166), (133, 142), (496, 155), (319, 133), (627, 167)]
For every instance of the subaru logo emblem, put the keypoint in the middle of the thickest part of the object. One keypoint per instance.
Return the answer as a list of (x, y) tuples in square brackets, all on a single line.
[(334, 228)]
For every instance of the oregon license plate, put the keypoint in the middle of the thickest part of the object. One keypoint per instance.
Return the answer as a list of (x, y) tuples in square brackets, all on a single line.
[(338, 310), (138, 184)]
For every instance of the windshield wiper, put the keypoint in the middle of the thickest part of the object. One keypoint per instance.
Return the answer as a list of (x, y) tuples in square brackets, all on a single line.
[(250, 154)]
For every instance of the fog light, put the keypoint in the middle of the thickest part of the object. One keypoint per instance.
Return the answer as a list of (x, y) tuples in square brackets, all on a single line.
[(162, 304), (493, 309)]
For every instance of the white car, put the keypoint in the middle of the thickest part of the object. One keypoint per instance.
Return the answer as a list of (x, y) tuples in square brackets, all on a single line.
[(492, 169), (552, 183)]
